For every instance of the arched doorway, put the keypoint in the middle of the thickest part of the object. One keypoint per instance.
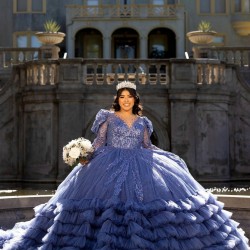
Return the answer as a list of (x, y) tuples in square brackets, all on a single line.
[(161, 43), (88, 43), (125, 44)]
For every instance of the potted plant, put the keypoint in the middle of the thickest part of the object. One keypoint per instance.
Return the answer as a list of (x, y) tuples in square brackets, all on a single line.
[(51, 35), (204, 34)]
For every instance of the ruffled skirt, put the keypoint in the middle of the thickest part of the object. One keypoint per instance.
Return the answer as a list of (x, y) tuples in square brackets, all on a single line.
[(128, 199)]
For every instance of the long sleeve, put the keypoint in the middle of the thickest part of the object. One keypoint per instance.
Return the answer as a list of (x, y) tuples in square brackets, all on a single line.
[(147, 142), (100, 139), (147, 133), (100, 127)]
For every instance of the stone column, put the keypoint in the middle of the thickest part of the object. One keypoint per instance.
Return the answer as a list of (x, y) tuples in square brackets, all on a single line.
[(143, 47), (106, 47)]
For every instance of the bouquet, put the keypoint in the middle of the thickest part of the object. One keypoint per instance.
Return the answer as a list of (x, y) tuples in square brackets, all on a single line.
[(76, 150)]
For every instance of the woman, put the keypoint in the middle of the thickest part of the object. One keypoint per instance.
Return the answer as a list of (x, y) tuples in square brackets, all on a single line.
[(130, 195)]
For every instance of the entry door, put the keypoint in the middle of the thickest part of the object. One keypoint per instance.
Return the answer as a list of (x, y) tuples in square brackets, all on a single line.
[(125, 48)]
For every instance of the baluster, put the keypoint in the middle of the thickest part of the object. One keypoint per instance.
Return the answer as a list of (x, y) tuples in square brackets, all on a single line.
[(47, 75), (126, 72), (104, 72), (2, 59), (203, 74), (39, 75), (158, 66), (94, 74), (241, 58), (33, 82), (227, 56), (234, 55), (147, 73), (212, 75), (136, 74), (219, 74), (52, 74), (223, 74), (248, 59), (28, 75), (221, 77)]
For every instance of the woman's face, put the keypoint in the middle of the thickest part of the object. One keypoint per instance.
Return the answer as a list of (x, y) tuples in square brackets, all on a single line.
[(126, 101)]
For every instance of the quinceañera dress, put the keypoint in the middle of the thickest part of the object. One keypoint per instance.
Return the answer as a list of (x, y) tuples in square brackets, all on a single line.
[(131, 195)]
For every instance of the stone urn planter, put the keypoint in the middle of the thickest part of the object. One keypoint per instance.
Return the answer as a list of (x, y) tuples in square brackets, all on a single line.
[(200, 37), (49, 38), (203, 36)]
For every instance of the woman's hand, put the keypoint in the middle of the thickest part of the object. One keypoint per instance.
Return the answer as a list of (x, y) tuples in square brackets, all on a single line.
[(84, 161)]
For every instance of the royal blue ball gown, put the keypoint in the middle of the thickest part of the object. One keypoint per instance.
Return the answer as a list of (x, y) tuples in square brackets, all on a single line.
[(131, 195)]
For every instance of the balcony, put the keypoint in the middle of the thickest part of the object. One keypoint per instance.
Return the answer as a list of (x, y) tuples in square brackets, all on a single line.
[(121, 11)]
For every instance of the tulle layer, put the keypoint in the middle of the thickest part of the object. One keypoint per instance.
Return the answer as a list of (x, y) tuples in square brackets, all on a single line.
[(197, 222)]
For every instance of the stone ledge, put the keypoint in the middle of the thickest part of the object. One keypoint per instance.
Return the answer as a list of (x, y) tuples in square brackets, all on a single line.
[(25, 201)]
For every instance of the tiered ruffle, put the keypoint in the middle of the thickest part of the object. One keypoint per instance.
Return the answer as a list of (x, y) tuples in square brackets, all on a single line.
[(198, 222)]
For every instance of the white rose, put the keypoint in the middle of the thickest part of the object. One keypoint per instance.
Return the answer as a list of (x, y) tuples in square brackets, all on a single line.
[(74, 153), (65, 154), (86, 145)]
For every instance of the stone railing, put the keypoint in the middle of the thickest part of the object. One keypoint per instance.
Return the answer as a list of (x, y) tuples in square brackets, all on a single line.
[(112, 71), (12, 56), (233, 55), (122, 11), (210, 71)]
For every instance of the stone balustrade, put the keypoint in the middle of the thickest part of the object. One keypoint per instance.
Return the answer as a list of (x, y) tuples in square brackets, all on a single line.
[(131, 10), (112, 71), (13, 56), (233, 55)]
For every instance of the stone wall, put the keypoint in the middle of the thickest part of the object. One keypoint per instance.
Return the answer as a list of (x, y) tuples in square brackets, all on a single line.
[(207, 124)]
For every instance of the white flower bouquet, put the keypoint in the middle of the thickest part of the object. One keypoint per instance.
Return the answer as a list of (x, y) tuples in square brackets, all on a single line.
[(76, 150)]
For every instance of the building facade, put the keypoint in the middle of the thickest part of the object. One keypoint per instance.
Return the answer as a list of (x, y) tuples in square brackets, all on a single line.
[(125, 28)]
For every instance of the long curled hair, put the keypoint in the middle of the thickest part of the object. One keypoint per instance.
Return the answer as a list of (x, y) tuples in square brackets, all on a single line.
[(137, 108)]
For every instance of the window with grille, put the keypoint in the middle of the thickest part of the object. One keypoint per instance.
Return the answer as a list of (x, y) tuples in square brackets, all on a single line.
[(241, 6), (212, 6), (29, 6)]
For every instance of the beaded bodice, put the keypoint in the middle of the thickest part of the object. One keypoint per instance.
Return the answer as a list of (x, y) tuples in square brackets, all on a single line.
[(112, 131)]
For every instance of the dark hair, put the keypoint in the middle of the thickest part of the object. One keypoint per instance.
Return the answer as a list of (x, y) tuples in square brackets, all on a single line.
[(137, 108)]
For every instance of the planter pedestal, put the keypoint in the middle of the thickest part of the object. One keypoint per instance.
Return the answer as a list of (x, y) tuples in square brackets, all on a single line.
[(50, 51), (49, 41)]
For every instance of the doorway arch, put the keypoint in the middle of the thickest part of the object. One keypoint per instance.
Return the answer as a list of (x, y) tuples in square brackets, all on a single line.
[(89, 43), (161, 43), (125, 44)]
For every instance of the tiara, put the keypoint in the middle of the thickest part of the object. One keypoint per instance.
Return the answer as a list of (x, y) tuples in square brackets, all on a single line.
[(125, 84)]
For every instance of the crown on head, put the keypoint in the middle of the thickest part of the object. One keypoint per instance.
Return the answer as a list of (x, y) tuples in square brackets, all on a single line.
[(125, 84)]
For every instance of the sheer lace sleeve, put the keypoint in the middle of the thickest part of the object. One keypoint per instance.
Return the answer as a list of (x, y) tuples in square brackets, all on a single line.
[(100, 139), (147, 133), (99, 127)]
